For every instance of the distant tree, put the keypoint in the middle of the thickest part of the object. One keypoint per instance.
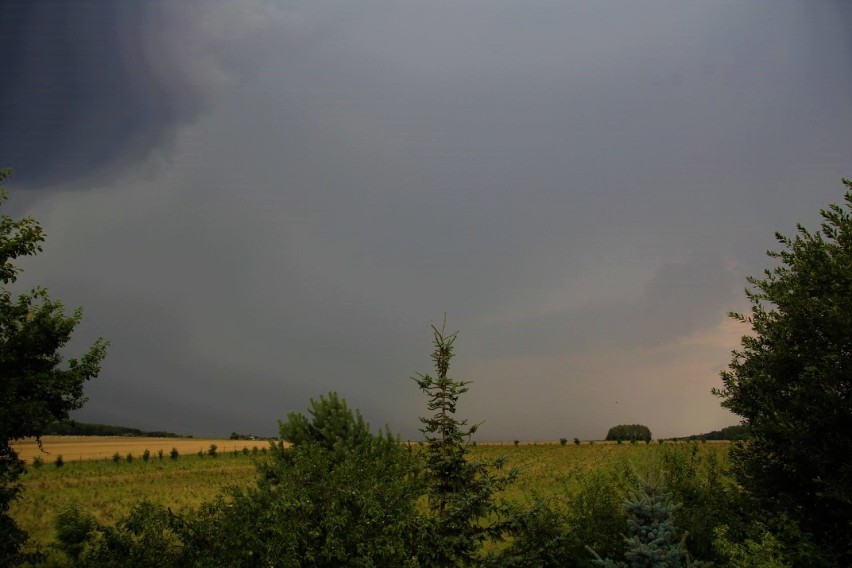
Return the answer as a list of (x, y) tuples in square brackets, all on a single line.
[(129, 457), (461, 492), (576, 441), (629, 432), (35, 388), (211, 451), (160, 454), (174, 454), (563, 441), (146, 455), (116, 457), (59, 462), (791, 382)]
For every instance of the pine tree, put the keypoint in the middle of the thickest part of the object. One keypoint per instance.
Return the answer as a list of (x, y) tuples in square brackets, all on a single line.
[(651, 541), (460, 492)]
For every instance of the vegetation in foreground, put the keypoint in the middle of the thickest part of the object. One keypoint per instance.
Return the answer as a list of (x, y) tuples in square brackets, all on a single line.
[(342, 495)]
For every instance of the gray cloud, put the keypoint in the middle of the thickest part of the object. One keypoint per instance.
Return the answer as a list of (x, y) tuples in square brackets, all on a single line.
[(276, 199)]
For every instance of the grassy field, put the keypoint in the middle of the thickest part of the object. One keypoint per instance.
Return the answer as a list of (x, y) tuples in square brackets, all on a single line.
[(109, 489)]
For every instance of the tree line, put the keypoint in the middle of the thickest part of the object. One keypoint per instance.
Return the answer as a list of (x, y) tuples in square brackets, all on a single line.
[(74, 428)]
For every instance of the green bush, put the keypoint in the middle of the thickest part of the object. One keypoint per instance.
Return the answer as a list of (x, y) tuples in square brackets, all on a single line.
[(129, 457), (563, 441), (211, 451), (59, 461), (73, 528), (37, 462), (116, 457), (174, 454), (146, 455)]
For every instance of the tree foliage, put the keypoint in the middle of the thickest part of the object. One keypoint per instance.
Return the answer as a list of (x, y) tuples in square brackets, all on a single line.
[(652, 539), (325, 501), (791, 382), (36, 389), (461, 492), (629, 432)]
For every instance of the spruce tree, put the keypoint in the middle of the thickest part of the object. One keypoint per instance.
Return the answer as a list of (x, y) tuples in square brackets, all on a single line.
[(461, 492), (651, 540)]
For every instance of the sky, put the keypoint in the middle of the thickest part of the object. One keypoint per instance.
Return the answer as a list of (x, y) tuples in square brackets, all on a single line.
[(259, 202)]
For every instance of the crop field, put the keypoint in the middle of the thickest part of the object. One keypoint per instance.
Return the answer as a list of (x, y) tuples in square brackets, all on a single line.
[(75, 448), (108, 488)]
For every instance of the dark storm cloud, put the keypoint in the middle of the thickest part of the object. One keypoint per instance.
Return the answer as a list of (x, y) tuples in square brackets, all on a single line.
[(282, 196), (93, 87)]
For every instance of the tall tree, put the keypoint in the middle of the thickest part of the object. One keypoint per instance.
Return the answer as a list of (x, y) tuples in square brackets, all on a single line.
[(35, 388), (791, 382), (461, 492)]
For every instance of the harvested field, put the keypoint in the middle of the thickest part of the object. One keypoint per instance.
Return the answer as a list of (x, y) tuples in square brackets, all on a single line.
[(78, 448)]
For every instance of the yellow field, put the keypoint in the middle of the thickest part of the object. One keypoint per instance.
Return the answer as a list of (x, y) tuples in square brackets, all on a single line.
[(73, 448)]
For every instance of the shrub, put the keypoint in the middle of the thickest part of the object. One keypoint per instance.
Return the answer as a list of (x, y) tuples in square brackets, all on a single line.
[(245, 451), (174, 454), (73, 528), (116, 457), (160, 454), (516, 442), (146, 455), (37, 462), (563, 441), (211, 451), (59, 461), (576, 441), (129, 457)]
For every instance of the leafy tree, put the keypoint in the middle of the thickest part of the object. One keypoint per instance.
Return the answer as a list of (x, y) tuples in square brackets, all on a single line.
[(630, 432), (461, 492), (791, 382), (35, 388)]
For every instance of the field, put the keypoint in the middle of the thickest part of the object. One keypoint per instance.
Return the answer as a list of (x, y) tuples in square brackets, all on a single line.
[(76, 448), (108, 489)]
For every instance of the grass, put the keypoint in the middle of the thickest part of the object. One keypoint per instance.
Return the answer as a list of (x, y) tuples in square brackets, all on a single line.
[(109, 489)]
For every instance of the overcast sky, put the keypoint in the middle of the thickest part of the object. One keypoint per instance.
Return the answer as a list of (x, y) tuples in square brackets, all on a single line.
[(257, 202)]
